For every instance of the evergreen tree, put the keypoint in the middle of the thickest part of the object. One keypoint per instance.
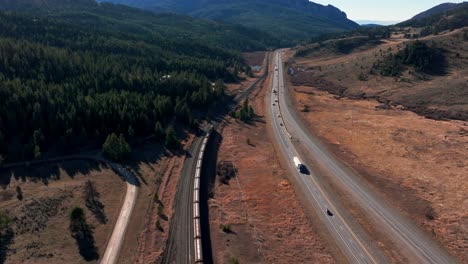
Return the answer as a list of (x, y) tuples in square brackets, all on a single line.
[(116, 148), (159, 130), (171, 138), (37, 152)]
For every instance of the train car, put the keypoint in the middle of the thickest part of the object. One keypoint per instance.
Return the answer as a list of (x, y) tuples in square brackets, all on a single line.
[(196, 196), (196, 210), (198, 250), (196, 228), (196, 184)]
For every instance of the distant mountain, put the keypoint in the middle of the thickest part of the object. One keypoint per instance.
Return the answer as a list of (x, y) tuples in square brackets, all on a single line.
[(371, 25), (440, 18), (297, 19), (108, 16), (375, 22), (43, 4), (437, 10)]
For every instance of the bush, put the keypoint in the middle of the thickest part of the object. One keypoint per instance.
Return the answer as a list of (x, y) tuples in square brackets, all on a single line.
[(5, 220), (226, 228), (233, 260), (246, 113), (362, 77), (225, 170), (159, 131), (19, 193), (160, 210), (171, 142), (116, 148)]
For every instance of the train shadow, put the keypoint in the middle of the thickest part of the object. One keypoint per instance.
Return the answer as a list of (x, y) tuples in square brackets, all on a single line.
[(208, 178)]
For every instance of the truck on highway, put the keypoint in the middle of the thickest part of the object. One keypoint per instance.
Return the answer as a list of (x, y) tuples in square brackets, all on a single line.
[(298, 163)]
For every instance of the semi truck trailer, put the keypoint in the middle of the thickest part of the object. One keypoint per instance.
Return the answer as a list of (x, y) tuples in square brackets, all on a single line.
[(298, 163)]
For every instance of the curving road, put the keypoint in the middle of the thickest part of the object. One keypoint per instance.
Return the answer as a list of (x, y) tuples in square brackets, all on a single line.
[(118, 234), (415, 245)]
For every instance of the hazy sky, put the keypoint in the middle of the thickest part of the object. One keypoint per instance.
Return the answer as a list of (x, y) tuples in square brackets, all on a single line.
[(394, 10)]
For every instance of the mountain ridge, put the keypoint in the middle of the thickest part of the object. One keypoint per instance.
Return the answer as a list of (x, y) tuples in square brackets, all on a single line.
[(297, 19), (444, 7)]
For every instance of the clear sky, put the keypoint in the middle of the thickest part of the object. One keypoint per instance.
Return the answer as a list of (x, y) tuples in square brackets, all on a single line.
[(387, 10)]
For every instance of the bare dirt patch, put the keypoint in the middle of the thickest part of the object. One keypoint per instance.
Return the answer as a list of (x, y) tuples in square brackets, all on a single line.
[(418, 164), (254, 58), (256, 217), (40, 215)]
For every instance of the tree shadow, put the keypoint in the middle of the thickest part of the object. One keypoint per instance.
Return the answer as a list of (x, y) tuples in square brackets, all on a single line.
[(48, 171), (6, 238)]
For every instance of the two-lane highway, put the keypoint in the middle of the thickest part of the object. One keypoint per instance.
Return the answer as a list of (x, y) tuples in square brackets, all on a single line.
[(415, 245), (355, 248)]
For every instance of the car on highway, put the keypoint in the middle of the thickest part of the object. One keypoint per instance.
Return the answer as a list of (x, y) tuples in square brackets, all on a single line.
[(329, 213)]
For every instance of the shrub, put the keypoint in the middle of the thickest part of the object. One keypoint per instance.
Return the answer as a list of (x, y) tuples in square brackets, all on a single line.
[(171, 141), (225, 170), (362, 77), (116, 148), (233, 260), (19, 193), (160, 210), (5, 220), (226, 228), (159, 131), (246, 112)]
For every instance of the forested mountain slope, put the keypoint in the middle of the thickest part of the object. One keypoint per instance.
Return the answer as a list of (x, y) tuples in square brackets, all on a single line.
[(71, 77), (296, 19)]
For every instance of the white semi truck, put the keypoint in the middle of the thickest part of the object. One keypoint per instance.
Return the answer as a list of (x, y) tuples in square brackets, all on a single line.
[(299, 166)]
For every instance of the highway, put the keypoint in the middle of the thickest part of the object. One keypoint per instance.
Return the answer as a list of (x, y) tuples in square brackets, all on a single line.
[(353, 247), (415, 245)]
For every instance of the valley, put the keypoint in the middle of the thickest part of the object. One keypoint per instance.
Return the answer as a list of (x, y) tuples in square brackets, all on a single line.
[(251, 131)]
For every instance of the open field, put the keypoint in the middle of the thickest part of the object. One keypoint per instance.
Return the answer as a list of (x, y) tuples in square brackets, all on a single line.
[(40, 220), (418, 164), (258, 208)]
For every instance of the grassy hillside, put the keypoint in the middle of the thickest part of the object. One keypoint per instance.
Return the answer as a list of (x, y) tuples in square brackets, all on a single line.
[(442, 8), (426, 76), (299, 19), (440, 20)]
